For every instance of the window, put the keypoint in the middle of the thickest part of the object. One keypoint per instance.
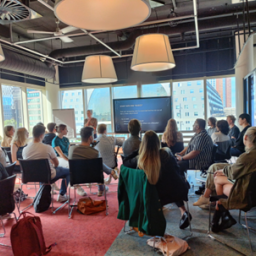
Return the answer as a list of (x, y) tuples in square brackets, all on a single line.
[(174, 92), (194, 106), (155, 90), (82, 112), (12, 106), (195, 113), (123, 92), (178, 114), (187, 128), (176, 100), (78, 108), (179, 84), (34, 98), (187, 122), (190, 96), (221, 97), (202, 98), (77, 100), (177, 106), (66, 101), (82, 118)]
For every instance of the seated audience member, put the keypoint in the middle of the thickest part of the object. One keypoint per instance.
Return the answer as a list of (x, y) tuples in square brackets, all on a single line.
[(238, 148), (233, 129), (133, 142), (51, 127), (212, 124), (91, 121), (85, 151), (221, 138), (19, 142), (37, 150), (198, 154), (161, 169), (61, 145), (106, 147), (224, 180), (8, 135), (242, 163), (172, 138)]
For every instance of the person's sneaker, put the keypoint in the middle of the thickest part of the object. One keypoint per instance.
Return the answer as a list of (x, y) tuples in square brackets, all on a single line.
[(108, 180), (115, 174), (55, 187), (80, 191), (101, 192), (62, 199), (202, 200)]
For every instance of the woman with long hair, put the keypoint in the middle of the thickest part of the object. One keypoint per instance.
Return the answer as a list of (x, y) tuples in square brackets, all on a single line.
[(162, 170), (19, 142), (8, 134), (172, 137)]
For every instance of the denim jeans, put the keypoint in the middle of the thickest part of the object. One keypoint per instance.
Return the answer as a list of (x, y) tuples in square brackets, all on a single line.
[(235, 152), (62, 173)]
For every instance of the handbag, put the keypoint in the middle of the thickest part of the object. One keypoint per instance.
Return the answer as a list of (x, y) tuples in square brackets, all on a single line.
[(88, 206)]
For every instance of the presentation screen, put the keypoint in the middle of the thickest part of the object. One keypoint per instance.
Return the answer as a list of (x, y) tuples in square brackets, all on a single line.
[(153, 113)]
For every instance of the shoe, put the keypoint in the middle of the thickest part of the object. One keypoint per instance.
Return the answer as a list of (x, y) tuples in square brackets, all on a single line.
[(100, 192), (62, 199), (80, 191), (108, 180), (215, 227), (115, 175), (206, 206), (202, 200), (227, 221), (200, 191), (184, 221), (55, 187)]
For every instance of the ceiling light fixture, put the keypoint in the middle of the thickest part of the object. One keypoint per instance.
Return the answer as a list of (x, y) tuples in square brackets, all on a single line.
[(2, 57), (99, 69), (102, 15), (152, 52)]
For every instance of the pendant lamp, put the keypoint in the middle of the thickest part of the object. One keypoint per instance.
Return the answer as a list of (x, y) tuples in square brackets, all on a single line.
[(102, 14), (152, 52), (2, 58), (99, 69)]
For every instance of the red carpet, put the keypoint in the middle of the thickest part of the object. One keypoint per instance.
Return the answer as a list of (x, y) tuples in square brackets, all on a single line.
[(79, 236)]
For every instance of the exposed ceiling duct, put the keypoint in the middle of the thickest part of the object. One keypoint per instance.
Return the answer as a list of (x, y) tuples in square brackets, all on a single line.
[(23, 64)]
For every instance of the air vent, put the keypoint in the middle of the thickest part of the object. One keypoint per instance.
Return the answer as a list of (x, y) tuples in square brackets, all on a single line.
[(14, 11)]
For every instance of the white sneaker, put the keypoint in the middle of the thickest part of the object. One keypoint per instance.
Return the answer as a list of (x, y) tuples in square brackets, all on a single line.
[(80, 191), (108, 180), (62, 199), (202, 200), (55, 187)]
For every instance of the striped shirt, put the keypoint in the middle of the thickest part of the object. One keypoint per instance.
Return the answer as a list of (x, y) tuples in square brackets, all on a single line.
[(200, 142)]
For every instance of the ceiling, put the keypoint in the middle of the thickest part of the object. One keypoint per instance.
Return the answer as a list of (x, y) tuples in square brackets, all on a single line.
[(216, 18)]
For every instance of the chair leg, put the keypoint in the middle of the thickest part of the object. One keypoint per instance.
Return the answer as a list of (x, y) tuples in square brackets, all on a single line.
[(106, 199), (71, 207), (190, 228), (67, 202), (248, 232), (3, 234)]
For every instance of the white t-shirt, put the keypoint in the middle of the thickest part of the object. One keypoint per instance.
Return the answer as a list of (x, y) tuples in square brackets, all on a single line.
[(35, 151)]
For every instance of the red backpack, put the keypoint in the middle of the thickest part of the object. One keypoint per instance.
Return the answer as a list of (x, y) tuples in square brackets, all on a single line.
[(27, 237)]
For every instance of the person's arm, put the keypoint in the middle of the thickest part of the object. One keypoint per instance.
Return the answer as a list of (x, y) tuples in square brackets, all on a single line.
[(61, 154), (55, 162), (191, 155), (131, 161), (95, 124), (182, 153), (235, 171), (53, 157), (86, 122), (14, 150)]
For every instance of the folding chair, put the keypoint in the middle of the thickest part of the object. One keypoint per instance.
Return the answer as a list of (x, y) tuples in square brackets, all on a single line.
[(7, 203), (9, 155), (84, 171), (10, 168)]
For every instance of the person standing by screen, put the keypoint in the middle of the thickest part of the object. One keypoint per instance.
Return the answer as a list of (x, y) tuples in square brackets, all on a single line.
[(91, 121)]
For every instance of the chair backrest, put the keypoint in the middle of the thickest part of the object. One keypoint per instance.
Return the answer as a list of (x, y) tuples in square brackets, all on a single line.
[(251, 191), (86, 171), (177, 148), (35, 170), (9, 154), (7, 204), (214, 150), (5, 149), (10, 168)]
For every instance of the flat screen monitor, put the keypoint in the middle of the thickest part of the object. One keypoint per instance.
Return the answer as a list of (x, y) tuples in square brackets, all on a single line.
[(153, 113)]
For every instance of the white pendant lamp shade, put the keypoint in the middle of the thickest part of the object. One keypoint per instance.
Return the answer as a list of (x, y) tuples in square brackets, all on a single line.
[(2, 58), (152, 53), (99, 69), (102, 14)]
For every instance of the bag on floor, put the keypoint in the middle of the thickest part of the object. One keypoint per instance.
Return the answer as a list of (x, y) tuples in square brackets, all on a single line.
[(88, 206), (42, 200), (27, 237), (170, 245)]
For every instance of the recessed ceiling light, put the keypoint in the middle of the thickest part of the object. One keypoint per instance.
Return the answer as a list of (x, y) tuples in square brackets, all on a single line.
[(155, 4)]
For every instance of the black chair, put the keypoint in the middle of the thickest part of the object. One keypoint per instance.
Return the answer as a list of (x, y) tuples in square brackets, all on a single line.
[(10, 168), (36, 171), (5, 149), (251, 195), (84, 171), (9, 155), (7, 203), (177, 148)]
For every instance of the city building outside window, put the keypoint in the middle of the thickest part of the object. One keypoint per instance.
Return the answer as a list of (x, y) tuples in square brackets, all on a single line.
[(185, 106), (185, 99), (194, 106), (194, 98), (192, 91), (178, 107), (123, 92), (182, 92), (155, 90), (195, 113), (187, 114)]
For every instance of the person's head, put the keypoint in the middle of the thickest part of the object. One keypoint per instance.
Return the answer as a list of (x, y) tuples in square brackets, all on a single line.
[(20, 137), (223, 126), (250, 138), (244, 119), (51, 127), (149, 156), (212, 122), (134, 127), (9, 131), (231, 119), (87, 134), (38, 132), (170, 134), (89, 113), (40, 123), (102, 129), (62, 129), (199, 125)]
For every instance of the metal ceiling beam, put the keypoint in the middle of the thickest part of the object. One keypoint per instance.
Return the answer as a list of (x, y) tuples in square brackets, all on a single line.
[(46, 4)]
